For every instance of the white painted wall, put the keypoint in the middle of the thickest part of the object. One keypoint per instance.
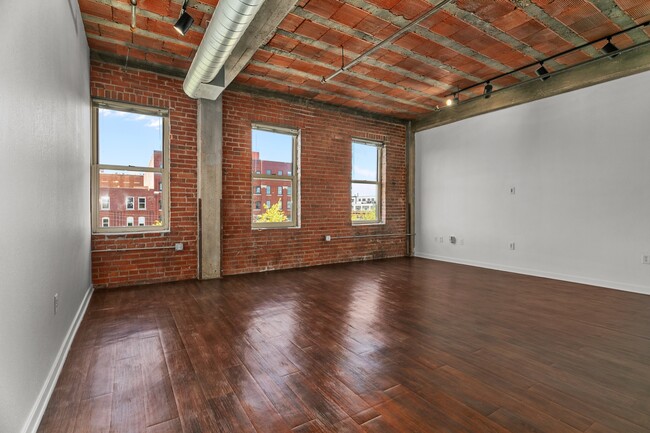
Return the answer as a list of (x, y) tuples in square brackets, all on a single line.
[(44, 197), (580, 163)]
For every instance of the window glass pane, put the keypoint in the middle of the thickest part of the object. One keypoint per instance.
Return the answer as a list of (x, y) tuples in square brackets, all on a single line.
[(272, 152), (364, 202), (132, 196), (364, 161), (130, 139), (272, 206)]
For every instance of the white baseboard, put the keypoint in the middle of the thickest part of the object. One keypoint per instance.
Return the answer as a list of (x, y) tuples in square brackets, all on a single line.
[(645, 290), (36, 414)]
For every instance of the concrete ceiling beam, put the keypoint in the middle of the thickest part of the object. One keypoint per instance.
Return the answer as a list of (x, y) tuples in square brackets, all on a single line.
[(595, 72)]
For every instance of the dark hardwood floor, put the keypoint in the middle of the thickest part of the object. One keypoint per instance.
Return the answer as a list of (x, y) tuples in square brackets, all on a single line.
[(400, 345)]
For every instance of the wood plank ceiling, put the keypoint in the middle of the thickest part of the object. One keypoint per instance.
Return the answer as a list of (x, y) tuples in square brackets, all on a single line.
[(466, 42)]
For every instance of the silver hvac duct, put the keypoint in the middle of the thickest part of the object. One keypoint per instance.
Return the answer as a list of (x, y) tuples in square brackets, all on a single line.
[(229, 22)]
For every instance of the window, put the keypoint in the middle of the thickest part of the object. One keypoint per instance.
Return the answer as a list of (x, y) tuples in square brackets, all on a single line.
[(130, 166), (366, 188), (106, 222), (258, 205), (277, 148), (258, 189)]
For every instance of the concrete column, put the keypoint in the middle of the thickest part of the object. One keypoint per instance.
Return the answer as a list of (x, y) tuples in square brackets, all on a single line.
[(209, 150), (410, 189)]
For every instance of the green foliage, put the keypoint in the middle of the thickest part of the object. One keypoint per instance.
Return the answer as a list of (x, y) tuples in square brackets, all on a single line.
[(365, 215), (273, 214)]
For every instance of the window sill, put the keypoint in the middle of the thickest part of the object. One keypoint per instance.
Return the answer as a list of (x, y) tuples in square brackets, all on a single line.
[(138, 232), (380, 223)]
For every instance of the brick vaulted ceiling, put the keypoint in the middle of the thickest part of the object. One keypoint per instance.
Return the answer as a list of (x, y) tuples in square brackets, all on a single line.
[(466, 42)]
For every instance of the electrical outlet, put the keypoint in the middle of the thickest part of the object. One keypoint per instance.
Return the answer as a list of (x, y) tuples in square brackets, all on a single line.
[(452, 239), (513, 190), (56, 303), (646, 260), (178, 246), (512, 246), (328, 238)]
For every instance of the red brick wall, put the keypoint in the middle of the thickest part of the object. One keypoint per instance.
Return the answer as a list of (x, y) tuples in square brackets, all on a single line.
[(324, 186), (112, 269)]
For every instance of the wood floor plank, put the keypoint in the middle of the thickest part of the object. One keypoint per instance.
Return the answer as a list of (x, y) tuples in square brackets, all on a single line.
[(194, 411), (171, 426), (160, 404), (259, 409), (128, 408), (94, 415), (389, 346)]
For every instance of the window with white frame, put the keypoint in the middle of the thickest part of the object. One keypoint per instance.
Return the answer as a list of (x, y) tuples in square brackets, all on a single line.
[(130, 167), (366, 186), (106, 222), (275, 150)]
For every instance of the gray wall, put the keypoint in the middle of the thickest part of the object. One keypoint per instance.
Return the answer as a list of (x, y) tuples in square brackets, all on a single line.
[(44, 194), (580, 166)]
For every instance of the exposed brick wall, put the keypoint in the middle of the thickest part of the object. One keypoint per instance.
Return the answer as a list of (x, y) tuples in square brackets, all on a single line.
[(125, 268), (324, 186)]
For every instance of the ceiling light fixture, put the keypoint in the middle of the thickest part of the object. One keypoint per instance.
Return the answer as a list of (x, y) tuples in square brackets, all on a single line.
[(134, 3), (185, 21), (542, 72), (453, 101), (487, 91), (610, 48)]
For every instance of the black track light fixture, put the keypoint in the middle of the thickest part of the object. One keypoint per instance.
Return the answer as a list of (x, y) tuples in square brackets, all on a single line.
[(487, 91), (610, 48), (542, 72), (185, 21), (454, 101)]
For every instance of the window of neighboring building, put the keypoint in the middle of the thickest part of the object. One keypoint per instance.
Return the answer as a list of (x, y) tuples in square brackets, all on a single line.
[(366, 185), (258, 189), (258, 205), (278, 148), (106, 222), (141, 221), (130, 164)]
